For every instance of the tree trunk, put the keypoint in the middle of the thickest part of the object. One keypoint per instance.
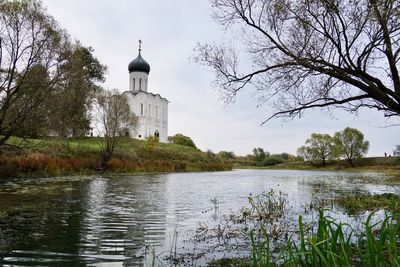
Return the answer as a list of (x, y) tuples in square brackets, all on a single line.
[(351, 162), (105, 158)]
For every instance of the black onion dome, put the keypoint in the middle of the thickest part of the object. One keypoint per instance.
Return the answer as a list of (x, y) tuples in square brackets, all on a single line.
[(139, 64)]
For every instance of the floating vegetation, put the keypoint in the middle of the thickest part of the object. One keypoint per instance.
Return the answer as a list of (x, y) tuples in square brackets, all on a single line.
[(318, 203), (358, 203)]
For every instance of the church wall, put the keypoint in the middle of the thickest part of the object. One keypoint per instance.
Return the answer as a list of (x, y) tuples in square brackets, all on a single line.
[(153, 115)]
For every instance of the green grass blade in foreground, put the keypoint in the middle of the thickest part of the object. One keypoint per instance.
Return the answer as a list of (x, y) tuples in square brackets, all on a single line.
[(334, 244)]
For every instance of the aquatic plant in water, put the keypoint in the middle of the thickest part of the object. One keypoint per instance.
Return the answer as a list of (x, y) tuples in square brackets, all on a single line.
[(358, 203), (268, 206), (335, 244), (267, 225), (266, 212)]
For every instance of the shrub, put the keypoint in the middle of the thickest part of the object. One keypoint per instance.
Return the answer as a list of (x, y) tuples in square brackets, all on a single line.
[(150, 144), (273, 160), (226, 155), (181, 139), (260, 155)]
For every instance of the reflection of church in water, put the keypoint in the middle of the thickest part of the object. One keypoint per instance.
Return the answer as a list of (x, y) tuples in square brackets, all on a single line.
[(151, 109)]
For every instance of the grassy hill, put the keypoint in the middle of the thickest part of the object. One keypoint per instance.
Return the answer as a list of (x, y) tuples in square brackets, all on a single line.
[(52, 157)]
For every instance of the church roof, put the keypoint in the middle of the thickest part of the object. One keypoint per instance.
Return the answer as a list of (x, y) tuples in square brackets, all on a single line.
[(139, 64), (135, 92)]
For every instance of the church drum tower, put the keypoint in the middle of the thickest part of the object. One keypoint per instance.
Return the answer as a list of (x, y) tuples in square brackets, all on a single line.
[(151, 108)]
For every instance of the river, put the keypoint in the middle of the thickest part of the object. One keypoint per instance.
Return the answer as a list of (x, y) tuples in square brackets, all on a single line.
[(145, 219)]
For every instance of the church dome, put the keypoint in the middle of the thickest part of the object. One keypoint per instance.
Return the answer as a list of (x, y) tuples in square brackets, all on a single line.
[(139, 64)]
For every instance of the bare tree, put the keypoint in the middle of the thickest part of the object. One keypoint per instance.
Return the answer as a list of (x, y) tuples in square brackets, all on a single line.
[(310, 54), (115, 116), (29, 39)]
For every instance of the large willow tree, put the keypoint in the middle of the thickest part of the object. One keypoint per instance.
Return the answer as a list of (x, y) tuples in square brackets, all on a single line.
[(307, 54)]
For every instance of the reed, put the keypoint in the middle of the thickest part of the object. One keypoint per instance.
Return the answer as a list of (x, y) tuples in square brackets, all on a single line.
[(261, 251), (336, 244)]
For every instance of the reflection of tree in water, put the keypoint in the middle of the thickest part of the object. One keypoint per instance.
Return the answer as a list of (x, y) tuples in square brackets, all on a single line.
[(42, 221), (105, 219)]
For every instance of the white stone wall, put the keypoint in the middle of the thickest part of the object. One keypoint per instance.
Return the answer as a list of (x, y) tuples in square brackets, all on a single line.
[(152, 111), (138, 81)]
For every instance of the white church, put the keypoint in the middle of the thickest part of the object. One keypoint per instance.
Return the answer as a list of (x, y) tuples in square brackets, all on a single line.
[(151, 108)]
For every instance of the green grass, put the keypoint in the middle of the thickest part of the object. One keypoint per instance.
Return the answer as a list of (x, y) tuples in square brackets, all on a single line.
[(335, 244), (127, 145)]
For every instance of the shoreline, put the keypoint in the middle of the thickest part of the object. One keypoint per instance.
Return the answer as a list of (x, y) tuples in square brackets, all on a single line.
[(392, 172)]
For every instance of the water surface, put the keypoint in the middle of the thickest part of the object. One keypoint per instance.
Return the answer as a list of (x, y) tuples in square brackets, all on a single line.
[(133, 220)]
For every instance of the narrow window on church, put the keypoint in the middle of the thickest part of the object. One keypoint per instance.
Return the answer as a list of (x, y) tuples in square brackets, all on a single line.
[(140, 84), (133, 81), (141, 108)]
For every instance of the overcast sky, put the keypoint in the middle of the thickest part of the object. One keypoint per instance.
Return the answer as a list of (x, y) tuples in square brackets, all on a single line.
[(169, 31)]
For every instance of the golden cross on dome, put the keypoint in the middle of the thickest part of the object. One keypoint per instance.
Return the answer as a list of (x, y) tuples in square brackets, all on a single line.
[(140, 46)]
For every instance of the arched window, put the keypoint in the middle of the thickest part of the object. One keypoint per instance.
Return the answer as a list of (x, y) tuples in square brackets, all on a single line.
[(140, 84), (141, 108), (133, 82)]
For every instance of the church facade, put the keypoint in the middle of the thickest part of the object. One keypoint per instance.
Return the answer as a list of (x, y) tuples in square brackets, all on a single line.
[(150, 108)]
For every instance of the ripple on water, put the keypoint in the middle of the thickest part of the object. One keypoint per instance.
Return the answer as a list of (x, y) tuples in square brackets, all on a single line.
[(116, 221)]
